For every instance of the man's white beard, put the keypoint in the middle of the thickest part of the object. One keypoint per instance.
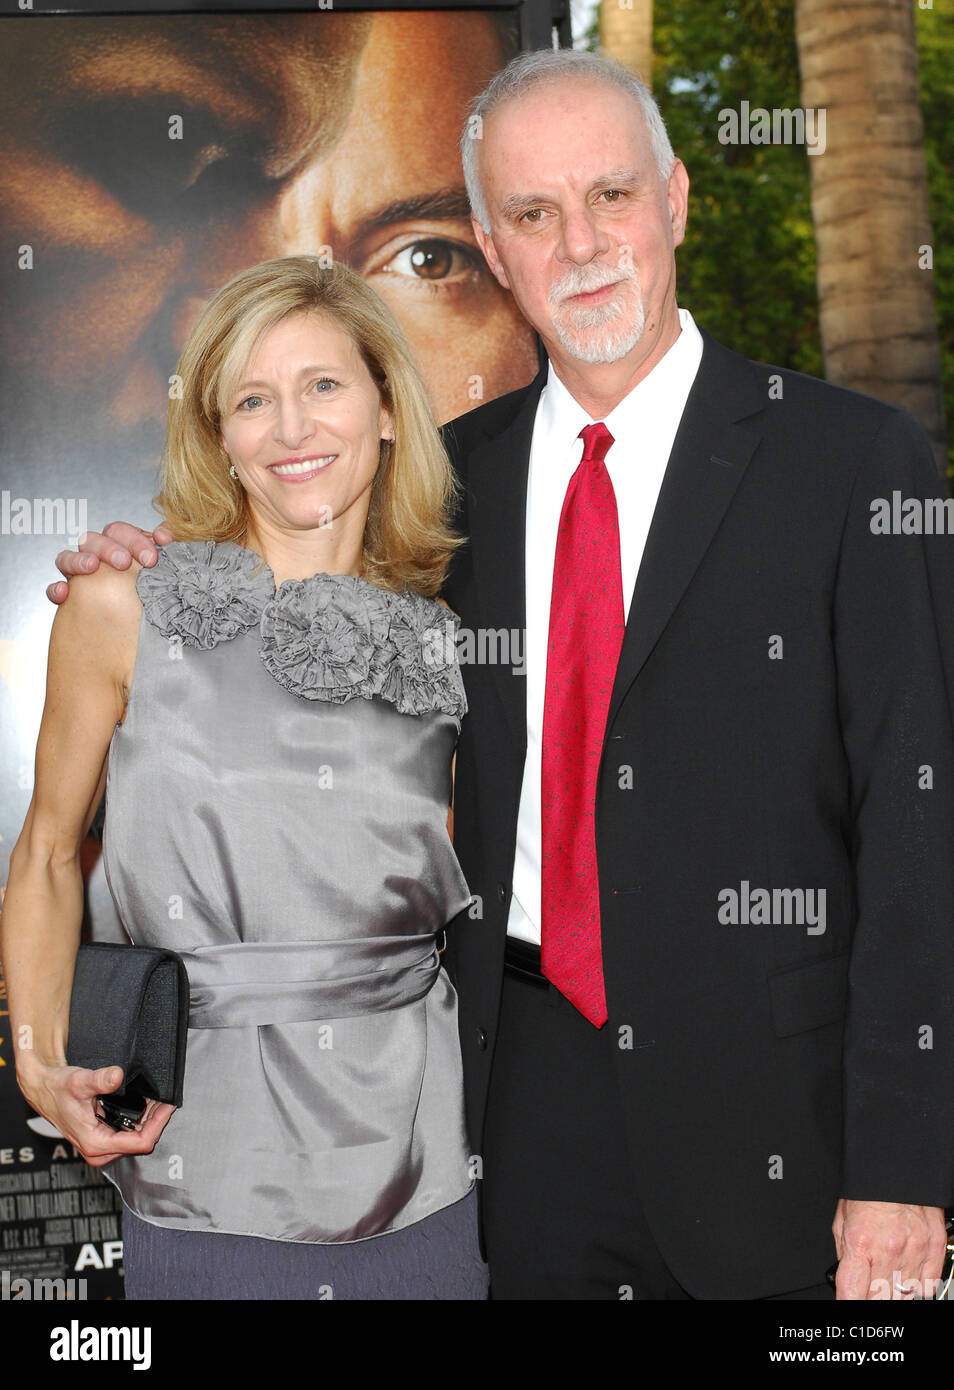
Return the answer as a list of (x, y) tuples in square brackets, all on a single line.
[(596, 334)]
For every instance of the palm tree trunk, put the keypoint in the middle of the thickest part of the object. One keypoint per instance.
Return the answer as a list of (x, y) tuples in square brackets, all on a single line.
[(878, 319), (626, 34)]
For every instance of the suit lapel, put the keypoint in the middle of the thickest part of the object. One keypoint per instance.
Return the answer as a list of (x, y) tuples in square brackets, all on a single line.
[(710, 453), (498, 471), (709, 456)]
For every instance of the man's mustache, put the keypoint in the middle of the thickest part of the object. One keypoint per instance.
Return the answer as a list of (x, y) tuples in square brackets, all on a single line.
[(584, 279)]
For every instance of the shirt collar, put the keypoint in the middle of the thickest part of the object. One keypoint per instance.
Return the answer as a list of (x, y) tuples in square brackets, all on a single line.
[(670, 379)]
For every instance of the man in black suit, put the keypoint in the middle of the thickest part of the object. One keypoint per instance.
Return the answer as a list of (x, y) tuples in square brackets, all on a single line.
[(773, 797), (716, 780)]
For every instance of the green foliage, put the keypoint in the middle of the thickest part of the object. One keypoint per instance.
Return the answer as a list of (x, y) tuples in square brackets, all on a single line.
[(747, 267), (935, 35)]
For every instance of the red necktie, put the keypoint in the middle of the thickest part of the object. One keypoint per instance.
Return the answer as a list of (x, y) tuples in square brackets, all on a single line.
[(586, 634)]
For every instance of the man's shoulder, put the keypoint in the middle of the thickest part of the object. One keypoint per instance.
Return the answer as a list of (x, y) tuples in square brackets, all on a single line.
[(489, 420), (789, 394)]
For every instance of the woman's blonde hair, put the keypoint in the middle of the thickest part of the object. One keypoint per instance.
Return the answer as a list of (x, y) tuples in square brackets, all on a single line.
[(407, 541)]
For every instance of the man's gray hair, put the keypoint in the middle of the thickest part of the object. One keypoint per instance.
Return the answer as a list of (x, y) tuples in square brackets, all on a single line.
[(547, 65)]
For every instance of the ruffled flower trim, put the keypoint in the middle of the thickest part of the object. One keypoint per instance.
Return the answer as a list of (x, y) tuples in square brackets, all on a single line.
[(331, 637), (335, 637), (204, 593)]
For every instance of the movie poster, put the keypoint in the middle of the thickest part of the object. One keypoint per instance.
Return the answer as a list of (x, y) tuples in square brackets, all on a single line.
[(146, 160)]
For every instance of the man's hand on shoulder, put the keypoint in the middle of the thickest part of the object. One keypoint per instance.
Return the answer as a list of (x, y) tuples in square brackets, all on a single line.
[(887, 1250), (118, 546)]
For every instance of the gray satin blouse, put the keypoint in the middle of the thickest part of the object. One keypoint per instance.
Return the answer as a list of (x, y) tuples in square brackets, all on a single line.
[(276, 813)]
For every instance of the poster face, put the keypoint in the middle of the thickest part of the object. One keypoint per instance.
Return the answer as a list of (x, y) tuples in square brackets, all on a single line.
[(146, 160)]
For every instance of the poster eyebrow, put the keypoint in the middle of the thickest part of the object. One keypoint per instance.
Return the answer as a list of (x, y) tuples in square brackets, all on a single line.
[(444, 204)]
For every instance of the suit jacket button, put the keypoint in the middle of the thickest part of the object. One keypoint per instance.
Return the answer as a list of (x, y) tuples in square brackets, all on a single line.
[(482, 1039), (502, 892)]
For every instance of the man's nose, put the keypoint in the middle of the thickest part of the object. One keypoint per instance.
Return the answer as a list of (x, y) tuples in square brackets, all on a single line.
[(582, 237)]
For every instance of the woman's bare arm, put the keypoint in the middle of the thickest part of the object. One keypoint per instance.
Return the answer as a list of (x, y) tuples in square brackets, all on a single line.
[(92, 653)]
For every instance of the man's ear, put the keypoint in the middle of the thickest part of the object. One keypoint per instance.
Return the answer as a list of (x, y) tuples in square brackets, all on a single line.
[(486, 243), (678, 196)]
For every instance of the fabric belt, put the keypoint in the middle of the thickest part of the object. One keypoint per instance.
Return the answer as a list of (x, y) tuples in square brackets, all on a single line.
[(245, 984)]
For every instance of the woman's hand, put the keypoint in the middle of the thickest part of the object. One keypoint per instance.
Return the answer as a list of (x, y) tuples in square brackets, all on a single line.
[(66, 1096)]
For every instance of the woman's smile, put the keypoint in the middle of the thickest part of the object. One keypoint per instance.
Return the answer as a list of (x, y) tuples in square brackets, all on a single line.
[(300, 470)]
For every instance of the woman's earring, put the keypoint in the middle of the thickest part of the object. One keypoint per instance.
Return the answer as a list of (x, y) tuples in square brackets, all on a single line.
[(232, 472)]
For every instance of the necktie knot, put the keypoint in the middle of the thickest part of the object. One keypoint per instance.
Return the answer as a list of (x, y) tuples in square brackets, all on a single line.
[(596, 442)]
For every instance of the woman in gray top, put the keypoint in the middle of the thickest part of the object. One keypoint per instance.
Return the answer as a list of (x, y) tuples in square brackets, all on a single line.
[(273, 710)]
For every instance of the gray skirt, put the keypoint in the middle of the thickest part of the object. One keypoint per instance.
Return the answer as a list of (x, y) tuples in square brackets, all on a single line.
[(435, 1258)]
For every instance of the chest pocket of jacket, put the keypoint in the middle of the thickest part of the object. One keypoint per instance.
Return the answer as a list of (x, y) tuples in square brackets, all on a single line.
[(809, 996), (744, 625)]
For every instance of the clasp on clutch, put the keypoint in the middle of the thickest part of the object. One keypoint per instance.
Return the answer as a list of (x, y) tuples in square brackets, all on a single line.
[(122, 1112), (441, 939)]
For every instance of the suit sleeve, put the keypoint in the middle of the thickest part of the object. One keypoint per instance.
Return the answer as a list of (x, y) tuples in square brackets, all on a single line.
[(894, 649)]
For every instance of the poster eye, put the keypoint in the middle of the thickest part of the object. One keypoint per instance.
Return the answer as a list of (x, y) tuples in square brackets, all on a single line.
[(144, 152), (432, 258)]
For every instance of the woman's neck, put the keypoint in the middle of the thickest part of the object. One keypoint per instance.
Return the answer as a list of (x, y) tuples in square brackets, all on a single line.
[(300, 554)]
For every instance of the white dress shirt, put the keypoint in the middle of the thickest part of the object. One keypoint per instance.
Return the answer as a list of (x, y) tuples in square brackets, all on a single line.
[(643, 427)]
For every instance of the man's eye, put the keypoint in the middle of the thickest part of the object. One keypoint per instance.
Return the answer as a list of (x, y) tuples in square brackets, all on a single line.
[(612, 195), (532, 215), (432, 259)]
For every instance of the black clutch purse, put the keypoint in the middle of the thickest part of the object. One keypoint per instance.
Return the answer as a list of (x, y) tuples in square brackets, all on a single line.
[(130, 1008)]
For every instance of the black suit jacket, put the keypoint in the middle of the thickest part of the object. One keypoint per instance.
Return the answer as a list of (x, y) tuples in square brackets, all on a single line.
[(765, 1070)]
